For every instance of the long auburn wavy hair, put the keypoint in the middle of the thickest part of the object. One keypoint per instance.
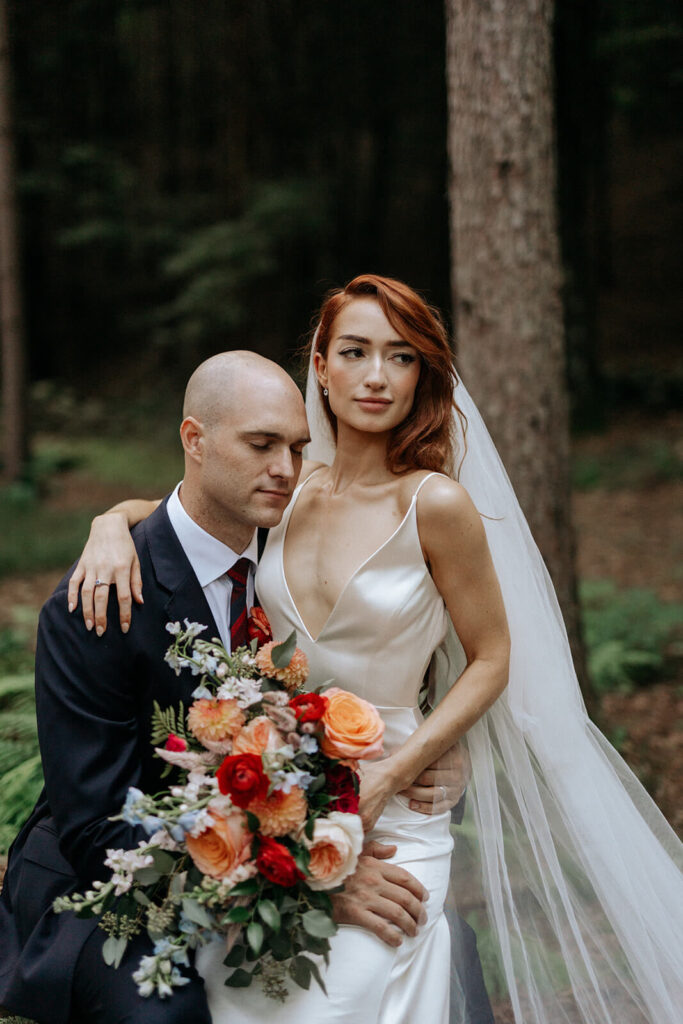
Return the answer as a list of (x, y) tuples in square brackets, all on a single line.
[(425, 439)]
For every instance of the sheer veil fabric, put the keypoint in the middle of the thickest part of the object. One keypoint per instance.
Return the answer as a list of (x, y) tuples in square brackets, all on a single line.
[(564, 866)]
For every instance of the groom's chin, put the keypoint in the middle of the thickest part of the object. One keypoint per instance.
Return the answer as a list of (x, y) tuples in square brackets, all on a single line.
[(271, 509)]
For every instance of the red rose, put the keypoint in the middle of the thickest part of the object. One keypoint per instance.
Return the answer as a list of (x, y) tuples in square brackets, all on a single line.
[(258, 627), (276, 862), (242, 776), (175, 743), (308, 707), (341, 784)]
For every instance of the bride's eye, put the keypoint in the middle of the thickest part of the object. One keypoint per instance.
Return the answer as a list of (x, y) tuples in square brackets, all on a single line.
[(405, 358), (353, 353)]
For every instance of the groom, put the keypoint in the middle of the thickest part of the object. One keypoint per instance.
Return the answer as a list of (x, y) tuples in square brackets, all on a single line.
[(243, 433)]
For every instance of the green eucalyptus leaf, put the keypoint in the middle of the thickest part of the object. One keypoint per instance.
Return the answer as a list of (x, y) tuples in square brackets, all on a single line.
[(316, 974), (318, 924), (113, 950), (247, 888), (302, 858), (239, 979), (164, 862), (147, 876), (195, 912), (178, 883), (253, 823), (238, 915), (300, 970), (269, 913), (255, 935), (281, 654), (235, 957), (281, 946), (318, 783), (287, 905), (141, 897)]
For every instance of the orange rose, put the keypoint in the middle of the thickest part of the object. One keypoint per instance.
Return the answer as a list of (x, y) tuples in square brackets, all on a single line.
[(353, 727), (221, 847), (260, 735)]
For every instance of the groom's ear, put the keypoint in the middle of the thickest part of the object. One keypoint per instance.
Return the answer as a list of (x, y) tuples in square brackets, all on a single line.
[(192, 436)]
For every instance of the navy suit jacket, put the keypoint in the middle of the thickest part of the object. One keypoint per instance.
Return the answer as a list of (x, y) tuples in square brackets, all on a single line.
[(94, 703)]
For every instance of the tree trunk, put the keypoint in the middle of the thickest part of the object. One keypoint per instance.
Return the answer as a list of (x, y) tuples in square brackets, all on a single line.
[(506, 275), (11, 326)]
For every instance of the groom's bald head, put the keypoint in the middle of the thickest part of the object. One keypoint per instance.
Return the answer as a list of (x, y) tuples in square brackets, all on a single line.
[(228, 381), (244, 430)]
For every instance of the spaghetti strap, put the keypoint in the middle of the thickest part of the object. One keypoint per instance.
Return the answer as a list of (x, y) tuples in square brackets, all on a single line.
[(419, 486)]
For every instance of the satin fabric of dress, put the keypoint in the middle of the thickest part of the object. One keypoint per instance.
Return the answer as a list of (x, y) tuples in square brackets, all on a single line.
[(377, 642)]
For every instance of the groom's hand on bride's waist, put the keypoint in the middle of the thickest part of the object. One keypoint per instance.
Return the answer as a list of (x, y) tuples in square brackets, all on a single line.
[(441, 785), (381, 897)]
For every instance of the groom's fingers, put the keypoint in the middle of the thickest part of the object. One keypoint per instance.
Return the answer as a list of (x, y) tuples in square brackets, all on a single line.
[(87, 594), (100, 602), (382, 897), (77, 578)]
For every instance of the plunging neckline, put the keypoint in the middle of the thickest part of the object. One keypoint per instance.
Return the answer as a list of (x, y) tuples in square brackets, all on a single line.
[(356, 571)]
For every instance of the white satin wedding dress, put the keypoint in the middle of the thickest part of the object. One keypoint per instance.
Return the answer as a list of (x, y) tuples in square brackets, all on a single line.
[(377, 642)]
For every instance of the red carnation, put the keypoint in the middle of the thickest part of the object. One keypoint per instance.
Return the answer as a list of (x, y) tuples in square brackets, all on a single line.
[(308, 707), (258, 627), (276, 862), (341, 784), (175, 743), (242, 776)]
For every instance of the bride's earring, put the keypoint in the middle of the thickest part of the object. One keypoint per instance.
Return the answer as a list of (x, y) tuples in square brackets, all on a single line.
[(325, 392)]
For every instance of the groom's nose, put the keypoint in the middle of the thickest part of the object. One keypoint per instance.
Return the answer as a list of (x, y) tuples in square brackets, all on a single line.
[(282, 463)]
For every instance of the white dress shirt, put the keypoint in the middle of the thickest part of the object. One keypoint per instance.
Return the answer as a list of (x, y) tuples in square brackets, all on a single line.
[(211, 558)]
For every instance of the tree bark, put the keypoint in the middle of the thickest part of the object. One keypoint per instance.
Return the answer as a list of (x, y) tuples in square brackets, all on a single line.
[(506, 276), (11, 323)]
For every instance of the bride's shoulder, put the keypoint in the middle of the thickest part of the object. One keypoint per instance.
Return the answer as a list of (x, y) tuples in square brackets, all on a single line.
[(309, 466), (444, 503)]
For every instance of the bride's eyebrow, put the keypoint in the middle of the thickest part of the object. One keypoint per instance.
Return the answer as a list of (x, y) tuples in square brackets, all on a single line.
[(398, 343)]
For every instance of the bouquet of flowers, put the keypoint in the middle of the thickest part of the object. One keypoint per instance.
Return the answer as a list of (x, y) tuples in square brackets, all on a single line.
[(258, 827)]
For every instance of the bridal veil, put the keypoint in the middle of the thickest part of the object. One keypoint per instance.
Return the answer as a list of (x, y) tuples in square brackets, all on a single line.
[(563, 865)]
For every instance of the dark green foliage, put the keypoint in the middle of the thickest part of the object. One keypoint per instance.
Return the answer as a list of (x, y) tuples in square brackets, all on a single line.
[(627, 633), (21, 776), (642, 463)]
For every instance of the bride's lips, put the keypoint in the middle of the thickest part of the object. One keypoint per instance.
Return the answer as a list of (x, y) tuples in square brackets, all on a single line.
[(373, 404)]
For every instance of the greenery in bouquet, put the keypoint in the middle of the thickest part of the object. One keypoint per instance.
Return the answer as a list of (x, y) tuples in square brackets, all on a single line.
[(259, 825)]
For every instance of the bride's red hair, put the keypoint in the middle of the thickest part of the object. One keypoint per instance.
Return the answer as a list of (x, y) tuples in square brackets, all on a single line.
[(424, 439)]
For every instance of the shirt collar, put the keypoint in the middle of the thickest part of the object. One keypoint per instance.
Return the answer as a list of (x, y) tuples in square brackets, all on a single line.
[(209, 557)]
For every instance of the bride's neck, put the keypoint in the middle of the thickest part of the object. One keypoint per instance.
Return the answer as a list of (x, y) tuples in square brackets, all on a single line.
[(360, 459)]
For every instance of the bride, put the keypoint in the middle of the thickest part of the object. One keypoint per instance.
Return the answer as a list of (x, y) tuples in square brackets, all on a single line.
[(387, 565)]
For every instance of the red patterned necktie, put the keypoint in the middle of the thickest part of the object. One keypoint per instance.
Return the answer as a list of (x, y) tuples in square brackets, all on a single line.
[(238, 603)]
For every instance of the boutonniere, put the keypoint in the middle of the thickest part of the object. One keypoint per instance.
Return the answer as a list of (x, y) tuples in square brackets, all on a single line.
[(258, 627)]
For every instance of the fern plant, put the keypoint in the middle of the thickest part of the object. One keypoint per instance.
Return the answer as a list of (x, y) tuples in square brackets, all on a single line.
[(628, 634), (21, 776)]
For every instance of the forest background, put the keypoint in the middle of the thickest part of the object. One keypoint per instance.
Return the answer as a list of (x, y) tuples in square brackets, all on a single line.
[(193, 177)]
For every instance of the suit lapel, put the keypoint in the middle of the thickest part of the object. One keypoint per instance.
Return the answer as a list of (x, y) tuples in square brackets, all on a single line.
[(174, 573)]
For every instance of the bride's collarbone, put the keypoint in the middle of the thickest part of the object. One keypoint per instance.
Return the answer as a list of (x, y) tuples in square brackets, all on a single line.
[(329, 539)]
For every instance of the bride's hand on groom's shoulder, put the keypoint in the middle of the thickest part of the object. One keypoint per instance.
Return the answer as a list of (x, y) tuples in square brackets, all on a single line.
[(381, 897), (441, 786), (109, 559)]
